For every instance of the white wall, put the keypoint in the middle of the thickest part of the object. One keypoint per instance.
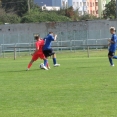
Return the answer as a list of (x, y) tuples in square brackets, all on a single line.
[(85, 32)]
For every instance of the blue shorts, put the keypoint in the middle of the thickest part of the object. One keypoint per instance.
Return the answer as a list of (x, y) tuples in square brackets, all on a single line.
[(48, 52), (111, 53)]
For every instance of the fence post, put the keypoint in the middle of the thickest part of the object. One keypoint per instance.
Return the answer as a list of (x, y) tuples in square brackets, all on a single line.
[(88, 51), (3, 46), (60, 42), (87, 37), (73, 48), (18, 43), (96, 40), (0, 50), (15, 52), (71, 45)]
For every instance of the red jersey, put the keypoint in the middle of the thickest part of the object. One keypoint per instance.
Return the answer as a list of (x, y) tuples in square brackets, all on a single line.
[(39, 44)]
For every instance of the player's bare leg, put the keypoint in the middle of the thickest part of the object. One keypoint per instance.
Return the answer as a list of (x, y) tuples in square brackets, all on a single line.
[(30, 64)]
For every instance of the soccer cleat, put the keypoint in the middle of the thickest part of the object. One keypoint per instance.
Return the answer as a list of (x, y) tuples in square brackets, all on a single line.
[(45, 68), (112, 65), (27, 69), (56, 65), (48, 67)]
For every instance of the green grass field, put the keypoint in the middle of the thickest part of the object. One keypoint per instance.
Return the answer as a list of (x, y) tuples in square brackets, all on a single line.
[(80, 87)]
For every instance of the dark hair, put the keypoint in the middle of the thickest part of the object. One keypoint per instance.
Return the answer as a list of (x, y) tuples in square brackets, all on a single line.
[(36, 37), (50, 32)]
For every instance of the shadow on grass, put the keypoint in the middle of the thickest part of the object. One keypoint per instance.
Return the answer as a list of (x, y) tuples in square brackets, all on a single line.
[(22, 70)]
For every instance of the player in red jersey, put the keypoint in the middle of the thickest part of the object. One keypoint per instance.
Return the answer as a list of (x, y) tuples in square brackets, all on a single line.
[(38, 53)]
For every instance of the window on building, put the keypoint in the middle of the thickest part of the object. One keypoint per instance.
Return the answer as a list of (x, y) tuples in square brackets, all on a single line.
[(80, 3), (96, 4), (97, 12), (73, 3), (87, 4), (90, 4), (84, 3), (77, 4), (93, 3)]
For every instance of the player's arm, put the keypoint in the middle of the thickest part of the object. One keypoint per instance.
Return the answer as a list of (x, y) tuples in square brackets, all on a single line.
[(113, 40), (53, 38), (109, 44)]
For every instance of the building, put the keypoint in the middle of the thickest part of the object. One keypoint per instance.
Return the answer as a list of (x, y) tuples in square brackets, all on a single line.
[(93, 7), (50, 8), (83, 6), (96, 8)]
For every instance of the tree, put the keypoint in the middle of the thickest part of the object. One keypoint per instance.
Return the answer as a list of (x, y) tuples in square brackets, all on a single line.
[(110, 10), (69, 12), (36, 15), (87, 17), (8, 17), (61, 12), (18, 7)]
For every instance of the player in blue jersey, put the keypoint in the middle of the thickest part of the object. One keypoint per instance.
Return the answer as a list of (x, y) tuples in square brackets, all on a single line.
[(47, 50), (112, 46)]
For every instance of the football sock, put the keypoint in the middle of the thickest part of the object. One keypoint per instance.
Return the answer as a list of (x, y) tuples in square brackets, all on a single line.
[(110, 60), (54, 61), (47, 65), (45, 62), (115, 57), (29, 65)]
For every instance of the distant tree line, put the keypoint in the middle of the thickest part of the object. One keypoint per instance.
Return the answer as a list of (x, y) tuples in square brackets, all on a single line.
[(25, 11)]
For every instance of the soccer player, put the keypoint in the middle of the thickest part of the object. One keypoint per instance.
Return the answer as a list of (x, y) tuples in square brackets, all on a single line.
[(47, 50), (112, 46), (38, 53)]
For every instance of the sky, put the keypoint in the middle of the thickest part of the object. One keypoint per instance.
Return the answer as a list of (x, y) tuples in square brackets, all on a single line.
[(42, 2)]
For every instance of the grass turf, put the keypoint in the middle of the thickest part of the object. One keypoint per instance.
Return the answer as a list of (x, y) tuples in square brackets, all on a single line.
[(80, 87)]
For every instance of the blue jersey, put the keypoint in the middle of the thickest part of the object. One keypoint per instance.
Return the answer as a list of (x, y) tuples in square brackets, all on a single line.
[(48, 39), (113, 45)]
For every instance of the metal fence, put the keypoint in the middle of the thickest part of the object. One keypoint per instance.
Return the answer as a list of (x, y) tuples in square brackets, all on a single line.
[(69, 40)]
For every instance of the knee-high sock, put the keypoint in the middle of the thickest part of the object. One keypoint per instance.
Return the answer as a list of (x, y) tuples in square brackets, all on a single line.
[(45, 62), (29, 65), (54, 61), (47, 65), (110, 60)]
